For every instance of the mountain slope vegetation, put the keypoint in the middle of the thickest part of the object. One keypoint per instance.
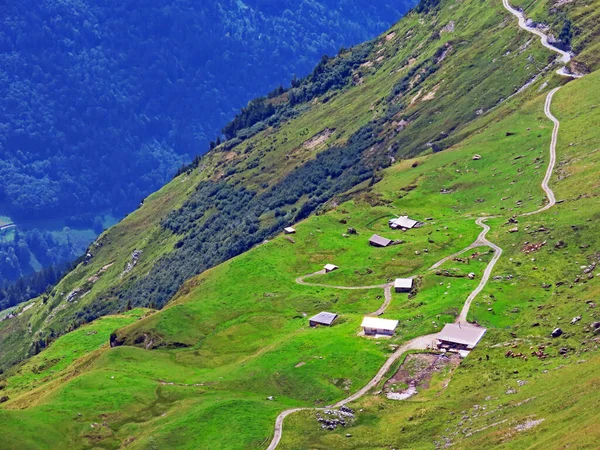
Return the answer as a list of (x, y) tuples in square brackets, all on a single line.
[(232, 348), (102, 101)]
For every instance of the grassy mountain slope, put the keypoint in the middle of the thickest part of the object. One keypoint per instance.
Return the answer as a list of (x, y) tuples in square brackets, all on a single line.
[(414, 89), (237, 333)]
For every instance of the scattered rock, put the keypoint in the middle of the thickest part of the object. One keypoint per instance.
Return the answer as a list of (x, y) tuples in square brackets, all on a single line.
[(476, 157), (73, 294), (533, 247), (528, 425), (342, 417), (471, 276), (135, 257), (556, 333), (574, 320), (352, 230), (514, 230), (560, 244)]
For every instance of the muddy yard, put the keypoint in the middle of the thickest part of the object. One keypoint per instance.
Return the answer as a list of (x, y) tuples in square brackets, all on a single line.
[(415, 374)]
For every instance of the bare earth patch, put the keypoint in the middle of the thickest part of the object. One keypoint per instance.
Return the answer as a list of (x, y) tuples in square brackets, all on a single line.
[(528, 425), (416, 97), (318, 139), (415, 374), (431, 94)]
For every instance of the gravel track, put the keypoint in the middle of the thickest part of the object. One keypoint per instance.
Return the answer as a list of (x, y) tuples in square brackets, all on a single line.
[(425, 342)]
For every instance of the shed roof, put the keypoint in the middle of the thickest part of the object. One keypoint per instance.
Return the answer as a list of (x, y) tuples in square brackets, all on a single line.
[(289, 230), (379, 240), (404, 222), (382, 324), (403, 283), (330, 267), (468, 335), (325, 318)]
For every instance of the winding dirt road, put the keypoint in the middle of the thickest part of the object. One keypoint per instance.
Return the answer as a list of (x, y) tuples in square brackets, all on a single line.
[(425, 342), (486, 273), (552, 163), (387, 290), (565, 57)]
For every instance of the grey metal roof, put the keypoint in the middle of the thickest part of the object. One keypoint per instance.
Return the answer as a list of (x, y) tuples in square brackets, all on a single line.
[(381, 324), (325, 318), (379, 240), (404, 222), (461, 334), (403, 283)]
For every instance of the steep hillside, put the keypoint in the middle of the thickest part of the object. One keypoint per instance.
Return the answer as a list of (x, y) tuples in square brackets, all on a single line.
[(102, 101), (233, 349), (412, 90)]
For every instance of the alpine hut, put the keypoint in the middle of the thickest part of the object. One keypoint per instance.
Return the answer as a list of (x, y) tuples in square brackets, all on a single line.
[(378, 241), (330, 268), (289, 230), (375, 326), (459, 337), (403, 284), (404, 223), (323, 318)]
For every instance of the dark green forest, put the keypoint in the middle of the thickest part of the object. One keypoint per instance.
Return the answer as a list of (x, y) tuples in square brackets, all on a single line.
[(101, 101)]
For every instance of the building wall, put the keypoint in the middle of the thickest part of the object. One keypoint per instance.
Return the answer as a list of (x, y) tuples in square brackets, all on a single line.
[(372, 331)]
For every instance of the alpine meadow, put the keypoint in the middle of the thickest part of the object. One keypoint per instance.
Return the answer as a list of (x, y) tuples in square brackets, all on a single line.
[(399, 250)]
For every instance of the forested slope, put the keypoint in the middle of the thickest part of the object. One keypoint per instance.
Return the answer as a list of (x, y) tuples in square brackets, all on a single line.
[(102, 100)]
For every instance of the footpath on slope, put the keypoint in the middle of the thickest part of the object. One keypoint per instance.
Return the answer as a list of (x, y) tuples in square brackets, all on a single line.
[(387, 290), (425, 342)]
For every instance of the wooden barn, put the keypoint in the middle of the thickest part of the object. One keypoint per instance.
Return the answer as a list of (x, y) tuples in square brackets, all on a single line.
[(403, 284), (404, 223), (323, 318), (459, 337), (373, 326), (330, 268), (379, 241)]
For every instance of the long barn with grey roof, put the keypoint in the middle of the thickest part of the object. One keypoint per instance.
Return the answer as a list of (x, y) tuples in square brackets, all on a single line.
[(379, 241), (323, 318), (404, 223)]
